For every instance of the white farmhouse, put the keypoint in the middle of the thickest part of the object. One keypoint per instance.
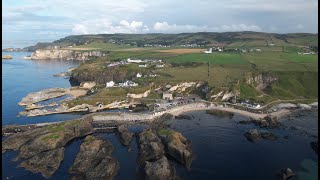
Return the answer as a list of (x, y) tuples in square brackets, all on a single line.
[(143, 65), (159, 65), (110, 84), (134, 60), (208, 52), (139, 75)]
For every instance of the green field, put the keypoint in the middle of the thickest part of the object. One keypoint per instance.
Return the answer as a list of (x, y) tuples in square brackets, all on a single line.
[(305, 58), (291, 49), (214, 58)]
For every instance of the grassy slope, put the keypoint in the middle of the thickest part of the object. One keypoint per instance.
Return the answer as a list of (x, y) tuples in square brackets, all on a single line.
[(297, 73)]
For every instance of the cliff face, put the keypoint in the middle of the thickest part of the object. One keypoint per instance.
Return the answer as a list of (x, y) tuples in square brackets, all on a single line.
[(65, 54), (261, 80)]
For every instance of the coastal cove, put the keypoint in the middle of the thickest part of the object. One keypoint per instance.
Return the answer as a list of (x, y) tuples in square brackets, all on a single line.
[(20, 77), (219, 147)]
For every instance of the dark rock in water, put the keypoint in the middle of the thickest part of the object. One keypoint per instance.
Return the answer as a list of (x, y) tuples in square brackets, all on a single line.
[(314, 146), (286, 174), (220, 113), (125, 135), (94, 160), (267, 122), (159, 169), (45, 163), (54, 136), (167, 116), (183, 116), (253, 135), (151, 148), (244, 122), (151, 156), (177, 146), (42, 146)]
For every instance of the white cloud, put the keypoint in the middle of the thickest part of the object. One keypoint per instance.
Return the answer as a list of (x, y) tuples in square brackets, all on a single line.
[(165, 27), (100, 26)]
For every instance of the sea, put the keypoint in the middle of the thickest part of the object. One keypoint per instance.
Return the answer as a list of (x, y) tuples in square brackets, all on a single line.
[(220, 150)]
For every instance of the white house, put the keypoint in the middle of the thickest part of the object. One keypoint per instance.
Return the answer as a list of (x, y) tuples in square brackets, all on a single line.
[(139, 75), (167, 96), (110, 84), (134, 60), (143, 65), (159, 65), (208, 52)]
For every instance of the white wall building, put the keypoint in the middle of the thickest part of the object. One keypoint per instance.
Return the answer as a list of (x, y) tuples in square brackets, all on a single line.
[(143, 65), (110, 84), (208, 52), (139, 75), (134, 60)]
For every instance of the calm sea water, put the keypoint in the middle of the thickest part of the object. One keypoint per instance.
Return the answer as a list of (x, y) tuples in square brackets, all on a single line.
[(220, 149), (21, 77)]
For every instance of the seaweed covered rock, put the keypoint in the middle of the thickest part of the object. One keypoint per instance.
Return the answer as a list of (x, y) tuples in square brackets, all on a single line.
[(159, 169), (177, 146), (151, 156), (94, 160), (183, 116), (286, 174), (314, 146), (42, 147), (253, 135), (125, 135), (150, 145), (45, 163)]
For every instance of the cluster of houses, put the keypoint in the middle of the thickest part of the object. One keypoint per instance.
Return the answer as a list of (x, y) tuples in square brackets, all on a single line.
[(190, 45), (307, 52), (249, 50), (213, 49), (123, 84), (247, 103), (159, 62), (155, 45)]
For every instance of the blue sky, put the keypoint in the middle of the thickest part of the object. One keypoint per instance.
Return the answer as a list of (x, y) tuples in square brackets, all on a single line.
[(25, 22)]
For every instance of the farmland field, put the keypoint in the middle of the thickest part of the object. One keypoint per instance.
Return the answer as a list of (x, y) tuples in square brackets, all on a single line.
[(307, 58), (214, 58)]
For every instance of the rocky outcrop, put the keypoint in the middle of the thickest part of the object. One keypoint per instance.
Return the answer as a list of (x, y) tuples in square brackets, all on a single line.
[(177, 146), (266, 122), (314, 145), (151, 148), (159, 169), (94, 160), (42, 147), (182, 87), (286, 174), (64, 54), (6, 57), (88, 85), (261, 80), (12, 50), (42, 96), (138, 96), (151, 156), (253, 135), (183, 116), (125, 135), (304, 106), (45, 163)]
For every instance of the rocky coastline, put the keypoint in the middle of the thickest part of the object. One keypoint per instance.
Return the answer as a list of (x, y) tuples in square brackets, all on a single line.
[(64, 54)]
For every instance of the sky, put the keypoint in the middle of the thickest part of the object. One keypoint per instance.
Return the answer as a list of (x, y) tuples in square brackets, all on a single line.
[(25, 22)]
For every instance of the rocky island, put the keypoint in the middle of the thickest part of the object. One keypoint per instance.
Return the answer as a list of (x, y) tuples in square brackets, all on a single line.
[(6, 57)]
